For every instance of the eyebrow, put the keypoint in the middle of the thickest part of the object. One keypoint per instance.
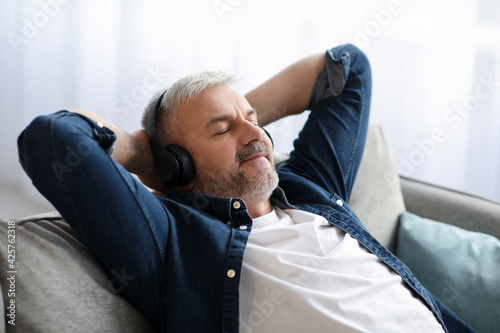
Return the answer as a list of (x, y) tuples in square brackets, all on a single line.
[(251, 112), (226, 117)]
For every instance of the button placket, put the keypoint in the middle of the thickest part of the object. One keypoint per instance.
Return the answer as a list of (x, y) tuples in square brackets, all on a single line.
[(238, 214)]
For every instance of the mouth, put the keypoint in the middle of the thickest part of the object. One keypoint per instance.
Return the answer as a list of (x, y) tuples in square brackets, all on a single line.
[(254, 157)]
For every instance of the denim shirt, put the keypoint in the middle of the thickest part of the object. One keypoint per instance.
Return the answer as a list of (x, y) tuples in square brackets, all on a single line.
[(221, 230)]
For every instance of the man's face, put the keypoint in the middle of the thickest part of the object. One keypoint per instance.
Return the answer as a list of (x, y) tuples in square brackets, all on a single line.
[(232, 154)]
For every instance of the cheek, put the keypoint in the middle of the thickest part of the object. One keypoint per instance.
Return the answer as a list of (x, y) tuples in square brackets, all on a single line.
[(269, 146), (215, 157)]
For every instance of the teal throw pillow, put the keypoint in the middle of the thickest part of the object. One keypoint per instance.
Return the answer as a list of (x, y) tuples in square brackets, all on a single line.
[(460, 267)]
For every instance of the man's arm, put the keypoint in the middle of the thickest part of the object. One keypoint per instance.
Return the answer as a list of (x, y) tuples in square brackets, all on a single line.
[(132, 151), (287, 92), (330, 145)]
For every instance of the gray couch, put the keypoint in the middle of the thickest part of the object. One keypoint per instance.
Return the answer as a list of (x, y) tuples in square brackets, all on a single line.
[(60, 287)]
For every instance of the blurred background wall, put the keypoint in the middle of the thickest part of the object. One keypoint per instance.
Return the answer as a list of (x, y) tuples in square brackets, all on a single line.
[(436, 70)]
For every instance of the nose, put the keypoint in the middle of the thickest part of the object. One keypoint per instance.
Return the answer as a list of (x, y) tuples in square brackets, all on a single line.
[(251, 133)]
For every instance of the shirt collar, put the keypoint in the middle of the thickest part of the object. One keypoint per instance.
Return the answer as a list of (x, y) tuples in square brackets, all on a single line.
[(224, 209)]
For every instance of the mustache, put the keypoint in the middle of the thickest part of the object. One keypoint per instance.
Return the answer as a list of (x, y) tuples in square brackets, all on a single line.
[(256, 148)]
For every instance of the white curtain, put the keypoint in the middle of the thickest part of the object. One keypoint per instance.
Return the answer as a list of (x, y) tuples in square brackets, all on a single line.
[(435, 66)]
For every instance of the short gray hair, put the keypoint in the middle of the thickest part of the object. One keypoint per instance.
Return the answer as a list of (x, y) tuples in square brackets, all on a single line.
[(184, 90)]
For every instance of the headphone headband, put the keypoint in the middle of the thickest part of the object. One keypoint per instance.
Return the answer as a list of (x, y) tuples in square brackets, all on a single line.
[(152, 130)]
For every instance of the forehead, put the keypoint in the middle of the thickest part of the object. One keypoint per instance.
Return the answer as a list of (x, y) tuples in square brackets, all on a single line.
[(218, 101)]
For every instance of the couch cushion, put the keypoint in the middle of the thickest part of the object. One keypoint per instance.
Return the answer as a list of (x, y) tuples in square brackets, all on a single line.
[(459, 267), (376, 196), (59, 284)]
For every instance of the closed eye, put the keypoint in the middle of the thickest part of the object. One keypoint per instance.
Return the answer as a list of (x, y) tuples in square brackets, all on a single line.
[(224, 131)]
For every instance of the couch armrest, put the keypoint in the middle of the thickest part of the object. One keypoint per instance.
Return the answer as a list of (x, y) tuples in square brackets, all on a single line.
[(453, 207)]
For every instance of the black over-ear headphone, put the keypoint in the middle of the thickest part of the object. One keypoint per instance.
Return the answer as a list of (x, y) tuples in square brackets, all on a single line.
[(173, 164)]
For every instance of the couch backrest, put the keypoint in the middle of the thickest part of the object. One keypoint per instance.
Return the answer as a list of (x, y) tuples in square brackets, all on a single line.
[(376, 197)]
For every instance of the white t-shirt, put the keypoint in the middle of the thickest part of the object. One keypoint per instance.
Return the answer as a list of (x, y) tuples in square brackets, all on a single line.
[(301, 274)]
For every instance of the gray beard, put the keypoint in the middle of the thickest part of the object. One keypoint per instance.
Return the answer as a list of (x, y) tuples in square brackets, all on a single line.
[(238, 184), (250, 189)]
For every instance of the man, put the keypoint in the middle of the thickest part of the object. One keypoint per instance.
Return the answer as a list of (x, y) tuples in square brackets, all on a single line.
[(230, 250)]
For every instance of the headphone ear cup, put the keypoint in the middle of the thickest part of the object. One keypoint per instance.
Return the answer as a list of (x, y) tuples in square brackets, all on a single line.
[(166, 167), (175, 166)]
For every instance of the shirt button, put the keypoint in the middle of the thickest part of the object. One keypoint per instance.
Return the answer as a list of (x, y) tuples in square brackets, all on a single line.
[(100, 124), (231, 273), (236, 205), (339, 202), (229, 223), (243, 227)]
